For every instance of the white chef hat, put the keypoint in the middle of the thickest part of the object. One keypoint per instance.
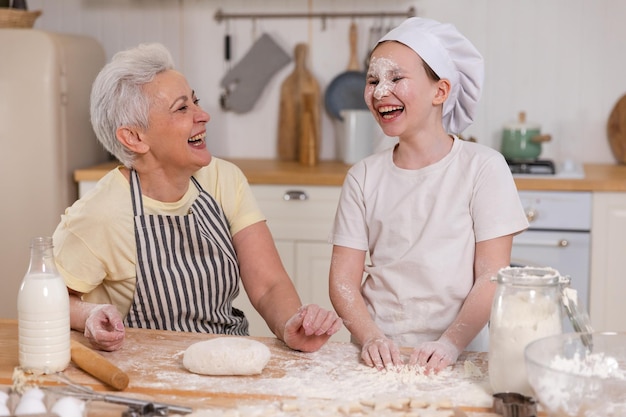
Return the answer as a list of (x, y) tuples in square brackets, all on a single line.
[(451, 56)]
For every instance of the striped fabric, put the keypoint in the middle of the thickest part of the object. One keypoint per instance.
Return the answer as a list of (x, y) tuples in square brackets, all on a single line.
[(187, 269)]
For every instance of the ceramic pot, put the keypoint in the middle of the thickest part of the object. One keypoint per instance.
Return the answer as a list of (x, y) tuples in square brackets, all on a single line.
[(521, 141)]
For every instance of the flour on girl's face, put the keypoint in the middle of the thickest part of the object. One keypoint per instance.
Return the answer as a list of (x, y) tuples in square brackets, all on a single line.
[(387, 72)]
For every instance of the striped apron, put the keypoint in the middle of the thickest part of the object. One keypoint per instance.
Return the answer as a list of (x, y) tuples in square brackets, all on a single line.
[(187, 269)]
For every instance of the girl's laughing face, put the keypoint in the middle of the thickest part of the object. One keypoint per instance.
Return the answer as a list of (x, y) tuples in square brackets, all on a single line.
[(399, 92)]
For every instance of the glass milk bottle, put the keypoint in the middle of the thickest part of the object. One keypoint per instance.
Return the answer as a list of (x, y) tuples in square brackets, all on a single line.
[(43, 312), (526, 307)]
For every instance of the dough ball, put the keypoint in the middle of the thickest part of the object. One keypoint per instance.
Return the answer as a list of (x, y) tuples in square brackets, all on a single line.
[(227, 356)]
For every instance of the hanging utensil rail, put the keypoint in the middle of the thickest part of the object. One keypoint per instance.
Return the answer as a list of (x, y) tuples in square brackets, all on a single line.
[(220, 15)]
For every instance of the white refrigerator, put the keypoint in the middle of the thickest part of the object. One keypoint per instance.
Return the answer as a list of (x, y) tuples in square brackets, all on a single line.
[(45, 134)]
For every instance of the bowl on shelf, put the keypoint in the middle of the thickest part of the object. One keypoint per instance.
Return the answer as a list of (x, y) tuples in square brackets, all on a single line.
[(570, 380)]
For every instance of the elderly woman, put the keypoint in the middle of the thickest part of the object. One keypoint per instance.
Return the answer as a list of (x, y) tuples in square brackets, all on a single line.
[(162, 241)]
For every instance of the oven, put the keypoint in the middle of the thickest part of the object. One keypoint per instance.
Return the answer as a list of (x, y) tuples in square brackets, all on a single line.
[(559, 236)]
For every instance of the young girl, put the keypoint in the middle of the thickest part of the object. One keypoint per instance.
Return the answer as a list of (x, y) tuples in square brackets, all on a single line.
[(436, 214)]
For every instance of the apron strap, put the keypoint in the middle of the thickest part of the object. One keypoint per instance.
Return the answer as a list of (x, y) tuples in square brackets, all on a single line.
[(135, 192)]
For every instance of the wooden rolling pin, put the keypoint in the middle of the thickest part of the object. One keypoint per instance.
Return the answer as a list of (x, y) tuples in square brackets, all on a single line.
[(98, 366)]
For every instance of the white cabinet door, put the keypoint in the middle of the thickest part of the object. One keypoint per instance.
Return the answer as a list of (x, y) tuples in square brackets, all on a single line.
[(298, 213), (608, 262), (312, 278)]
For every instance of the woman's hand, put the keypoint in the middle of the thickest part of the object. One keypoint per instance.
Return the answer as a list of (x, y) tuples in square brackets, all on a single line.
[(104, 327), (310, 328), (435, 356), (381, 353)]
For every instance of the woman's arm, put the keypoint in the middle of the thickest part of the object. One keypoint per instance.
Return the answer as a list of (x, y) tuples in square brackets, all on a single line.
[(274, 296), (346, 274)]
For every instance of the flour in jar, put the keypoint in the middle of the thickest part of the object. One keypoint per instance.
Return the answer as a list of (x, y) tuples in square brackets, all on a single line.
[(521, 322)]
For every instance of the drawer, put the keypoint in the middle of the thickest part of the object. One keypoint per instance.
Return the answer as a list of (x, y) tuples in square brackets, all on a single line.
[(557, 210), (302, 213)]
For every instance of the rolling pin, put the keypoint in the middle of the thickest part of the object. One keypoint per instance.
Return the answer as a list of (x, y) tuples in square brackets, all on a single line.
[(98, 366)]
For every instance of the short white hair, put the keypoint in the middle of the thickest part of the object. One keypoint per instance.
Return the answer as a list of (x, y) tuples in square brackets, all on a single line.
[(117, 97)]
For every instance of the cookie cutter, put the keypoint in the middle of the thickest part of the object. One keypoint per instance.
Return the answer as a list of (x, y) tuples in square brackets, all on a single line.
[(512, 404)]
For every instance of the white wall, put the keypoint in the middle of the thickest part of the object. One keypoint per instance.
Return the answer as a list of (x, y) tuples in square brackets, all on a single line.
[(561, 61)]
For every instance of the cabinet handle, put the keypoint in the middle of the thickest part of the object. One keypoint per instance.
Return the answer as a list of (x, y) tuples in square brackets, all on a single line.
[(560, 243), (531, 215), (296, 195)]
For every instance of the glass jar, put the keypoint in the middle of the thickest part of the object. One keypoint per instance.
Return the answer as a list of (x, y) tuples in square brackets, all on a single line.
[(526, 307), (43, 312)]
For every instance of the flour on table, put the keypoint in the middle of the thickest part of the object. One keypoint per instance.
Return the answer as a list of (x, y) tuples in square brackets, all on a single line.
[(227, 356), (329, 382)]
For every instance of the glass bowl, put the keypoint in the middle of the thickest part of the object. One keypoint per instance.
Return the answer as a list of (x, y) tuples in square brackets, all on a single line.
[(570, 380)]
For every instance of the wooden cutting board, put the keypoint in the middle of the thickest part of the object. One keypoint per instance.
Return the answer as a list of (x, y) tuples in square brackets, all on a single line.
[(292, 113), (616, 130)]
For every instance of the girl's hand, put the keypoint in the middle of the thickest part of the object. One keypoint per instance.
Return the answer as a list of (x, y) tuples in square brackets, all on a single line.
[(381, 353), (435, 355)]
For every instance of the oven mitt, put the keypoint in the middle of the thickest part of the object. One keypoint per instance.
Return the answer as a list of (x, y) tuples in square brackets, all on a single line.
[(245, 82)]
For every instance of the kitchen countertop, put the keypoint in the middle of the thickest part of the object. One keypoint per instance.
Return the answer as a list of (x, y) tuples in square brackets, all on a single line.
[(597, 177), (328, 379)]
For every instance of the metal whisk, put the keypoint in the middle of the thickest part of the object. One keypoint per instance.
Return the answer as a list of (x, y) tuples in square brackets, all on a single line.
[(136, 408)]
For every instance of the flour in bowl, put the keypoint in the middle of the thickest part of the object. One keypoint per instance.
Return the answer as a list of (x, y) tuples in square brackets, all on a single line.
[(594, 364), (591, 385)]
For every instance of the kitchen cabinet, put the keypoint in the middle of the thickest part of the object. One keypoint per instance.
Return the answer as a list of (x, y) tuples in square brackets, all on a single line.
[(300, 218), (608, 266)]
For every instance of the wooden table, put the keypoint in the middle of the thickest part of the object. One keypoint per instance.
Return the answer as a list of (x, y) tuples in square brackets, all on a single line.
[(331, 377)]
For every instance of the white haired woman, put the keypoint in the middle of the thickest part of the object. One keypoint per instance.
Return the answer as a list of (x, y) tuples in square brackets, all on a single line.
[(164, 239)]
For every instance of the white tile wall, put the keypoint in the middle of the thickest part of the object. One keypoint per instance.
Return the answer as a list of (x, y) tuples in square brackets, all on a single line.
[(562, 61)]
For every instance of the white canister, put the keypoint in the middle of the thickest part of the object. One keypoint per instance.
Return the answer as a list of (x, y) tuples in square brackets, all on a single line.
[(358, 136)]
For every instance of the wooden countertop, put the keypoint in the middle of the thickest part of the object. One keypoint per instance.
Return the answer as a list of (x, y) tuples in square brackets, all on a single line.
[(330, 377), (258, 171), (598, 177)]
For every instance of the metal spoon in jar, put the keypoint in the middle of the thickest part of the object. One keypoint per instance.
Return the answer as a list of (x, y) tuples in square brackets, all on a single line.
[(577, 315)]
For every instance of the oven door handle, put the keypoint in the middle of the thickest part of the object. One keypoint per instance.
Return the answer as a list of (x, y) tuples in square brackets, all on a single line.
[(559, 243)]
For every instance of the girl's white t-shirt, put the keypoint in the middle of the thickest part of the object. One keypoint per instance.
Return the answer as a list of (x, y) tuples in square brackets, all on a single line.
[(420, 228)]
